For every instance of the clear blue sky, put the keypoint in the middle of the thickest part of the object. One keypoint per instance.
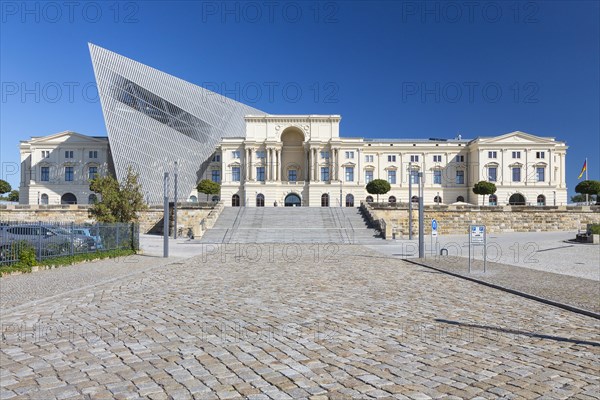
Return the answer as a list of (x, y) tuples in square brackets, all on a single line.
[(391, 69)]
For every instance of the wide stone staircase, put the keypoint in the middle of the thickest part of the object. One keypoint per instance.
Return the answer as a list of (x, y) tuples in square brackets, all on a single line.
[(291, 225)]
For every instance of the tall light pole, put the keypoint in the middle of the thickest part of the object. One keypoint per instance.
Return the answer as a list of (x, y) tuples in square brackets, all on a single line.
[(166, 215), (421, 219), (340, 192), (410, 223), (175, 203)]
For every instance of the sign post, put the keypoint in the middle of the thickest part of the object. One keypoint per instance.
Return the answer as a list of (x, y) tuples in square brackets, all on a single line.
[(478, 237), (434, 233)]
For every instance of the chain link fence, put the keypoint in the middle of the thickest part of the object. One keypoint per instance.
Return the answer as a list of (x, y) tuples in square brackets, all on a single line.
[(59, 239)]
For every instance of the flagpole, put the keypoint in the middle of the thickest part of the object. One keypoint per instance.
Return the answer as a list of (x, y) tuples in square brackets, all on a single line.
[(587, 201)]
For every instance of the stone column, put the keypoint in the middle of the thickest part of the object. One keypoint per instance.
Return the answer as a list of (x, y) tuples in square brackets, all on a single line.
[(281, 164), (250, 174), (306, 164), (267, 165), (358, 163)]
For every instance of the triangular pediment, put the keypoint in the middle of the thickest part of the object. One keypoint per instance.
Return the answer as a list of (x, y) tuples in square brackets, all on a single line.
[(67, 136), (516, 137)]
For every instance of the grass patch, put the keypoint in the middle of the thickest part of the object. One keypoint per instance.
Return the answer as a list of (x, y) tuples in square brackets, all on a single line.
[(26, 262)]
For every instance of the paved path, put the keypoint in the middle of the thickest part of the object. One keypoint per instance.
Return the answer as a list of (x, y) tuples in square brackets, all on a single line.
[(295, 322)]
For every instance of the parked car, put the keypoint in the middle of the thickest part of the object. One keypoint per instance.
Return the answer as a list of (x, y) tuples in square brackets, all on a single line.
[(88, 233), (47, 241)]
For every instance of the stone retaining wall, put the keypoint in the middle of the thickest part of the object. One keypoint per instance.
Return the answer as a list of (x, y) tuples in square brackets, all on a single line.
[(454, 220), (199, 218)]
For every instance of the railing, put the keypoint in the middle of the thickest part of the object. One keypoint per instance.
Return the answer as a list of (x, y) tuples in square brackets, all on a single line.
[(58, 239)]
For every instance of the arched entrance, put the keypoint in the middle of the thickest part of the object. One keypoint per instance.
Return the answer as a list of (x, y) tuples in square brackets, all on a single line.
[(324, 200), (541, 200), (292, 160), (392, 199), (414, 199), (292, 200), (349, 200), (437, 200), (369, 199), (260, 200), (516, 199), (68, 198), (460, 199), (235, 200)]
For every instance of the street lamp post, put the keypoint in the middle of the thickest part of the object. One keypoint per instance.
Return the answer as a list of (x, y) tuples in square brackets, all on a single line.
[(410, 224), (421, 219), (175, 203), (166, 215)]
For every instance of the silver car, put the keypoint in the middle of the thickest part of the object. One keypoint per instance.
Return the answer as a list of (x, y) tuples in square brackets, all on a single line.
[(47, 241)]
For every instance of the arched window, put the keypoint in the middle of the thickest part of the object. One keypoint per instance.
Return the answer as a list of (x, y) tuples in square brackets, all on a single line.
[(324, 200), (44, 199), (392, 199), (415, 199), (215, 199), (493, 200), (349, 200), (437, 200), (260, 200), (516, 199), (541, 200), (369, 199), (292, 200), (193, 199), (92, 199), (68, 198), (235, 200), (460, 199)]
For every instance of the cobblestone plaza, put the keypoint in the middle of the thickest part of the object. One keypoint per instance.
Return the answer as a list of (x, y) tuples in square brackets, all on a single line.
[(285, 321)]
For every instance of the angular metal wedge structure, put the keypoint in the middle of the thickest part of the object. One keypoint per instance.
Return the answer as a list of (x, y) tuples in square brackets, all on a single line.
[(154, 119)]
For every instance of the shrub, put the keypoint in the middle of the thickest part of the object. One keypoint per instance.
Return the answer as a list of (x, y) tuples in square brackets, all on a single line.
[(595, 229)]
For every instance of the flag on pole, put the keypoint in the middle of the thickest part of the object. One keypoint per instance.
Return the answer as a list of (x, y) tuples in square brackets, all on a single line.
[(583, 169)]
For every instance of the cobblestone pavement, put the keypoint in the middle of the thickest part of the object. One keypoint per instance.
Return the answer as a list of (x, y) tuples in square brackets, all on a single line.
[(577, 292), (284, 322)]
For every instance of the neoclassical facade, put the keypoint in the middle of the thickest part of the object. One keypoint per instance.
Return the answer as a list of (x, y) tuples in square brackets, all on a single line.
[(301, 160), (56, 169)]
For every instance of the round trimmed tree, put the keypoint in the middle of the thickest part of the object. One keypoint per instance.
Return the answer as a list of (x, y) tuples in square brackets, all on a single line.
[(589, 187), (378, 186), (208, 187), (484, 188)]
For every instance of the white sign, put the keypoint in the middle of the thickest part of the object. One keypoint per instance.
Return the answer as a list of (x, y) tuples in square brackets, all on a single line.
[(477, 233), (434, 227)]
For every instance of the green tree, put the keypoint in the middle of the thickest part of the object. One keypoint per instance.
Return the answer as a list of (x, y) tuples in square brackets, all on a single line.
[(119, 202), (484, 188), (378, 186), (208, 187), (13, 195), (4, 187), (578, 198), (589, 187)]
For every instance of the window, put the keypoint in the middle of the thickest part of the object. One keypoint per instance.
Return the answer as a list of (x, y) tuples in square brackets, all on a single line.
[(45, 153), (369, 158), (216, 175), (540, 173), (93, 154), (460, 177), (235, 174), (516, 174), (392, 199), (260, 174), (260, 200), (493, 200), (92, 172), (235, 200), (492, 174), (325, 154), (516, 154), (92, 199), (235, 154), (324, 200), (217, 158), (541, 200), (45, 174), (460, 158), (69, 174), (324, 173), (368, 176), (540, 154), (414, 176), (369, 199), (414, 158), (392, 158), (292, 175), (392, 177), (437, 158), (69, 154), (349, 154), (44, 199), (460, 199), (260, 154), (437, 177), (492, 154), (349, 174), (437, 200)]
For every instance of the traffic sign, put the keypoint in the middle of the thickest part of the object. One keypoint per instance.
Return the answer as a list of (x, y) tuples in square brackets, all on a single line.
[(477, 233), (434, 227)]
